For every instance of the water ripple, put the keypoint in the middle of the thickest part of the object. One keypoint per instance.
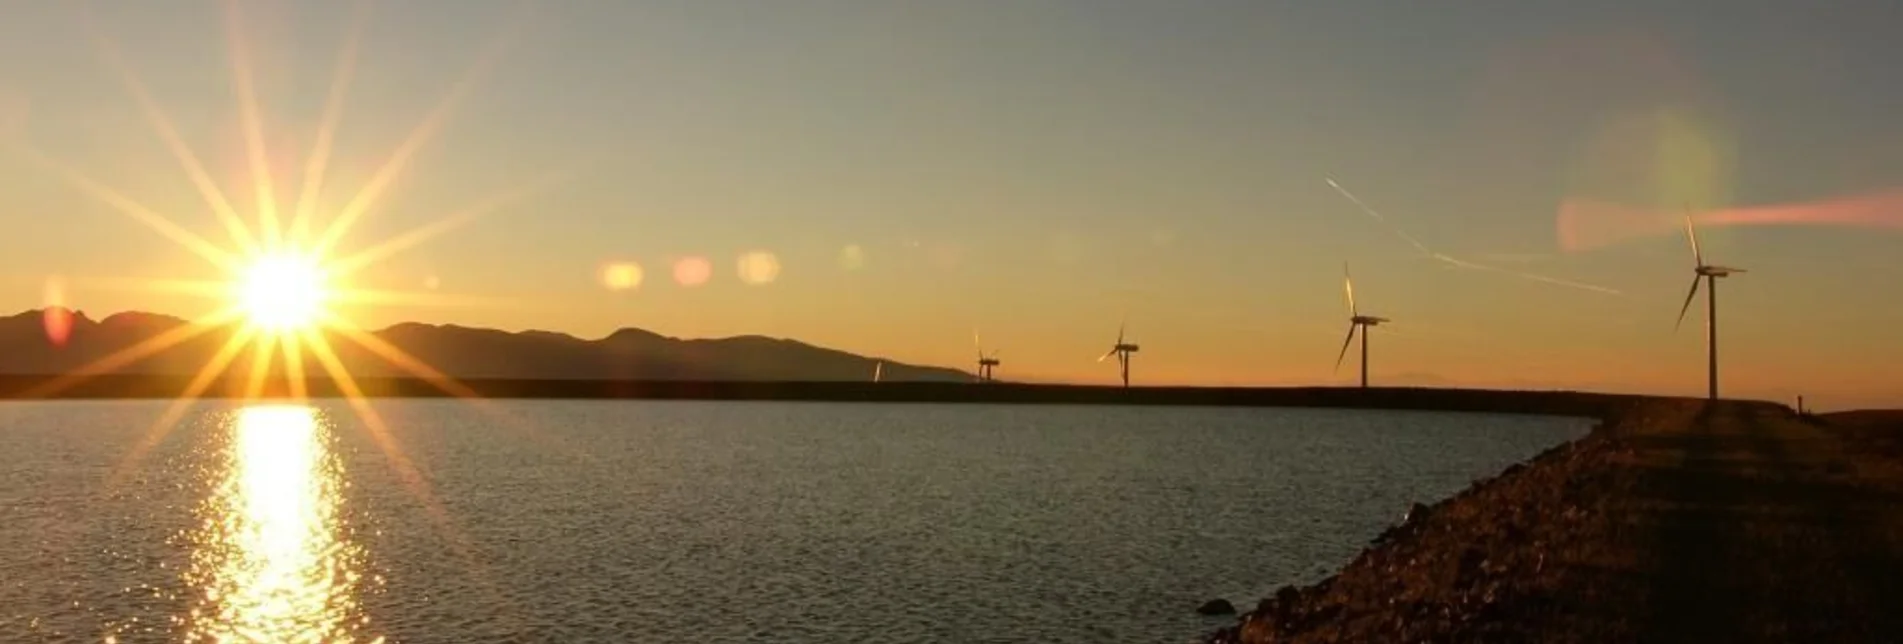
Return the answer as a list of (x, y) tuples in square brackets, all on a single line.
[(701, 522)]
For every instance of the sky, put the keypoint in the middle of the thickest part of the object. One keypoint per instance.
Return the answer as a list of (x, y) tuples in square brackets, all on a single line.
[(886, 177)]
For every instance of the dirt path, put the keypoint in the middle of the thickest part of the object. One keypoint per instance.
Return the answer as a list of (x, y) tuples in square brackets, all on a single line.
[(1770, 528), (1735, 522)]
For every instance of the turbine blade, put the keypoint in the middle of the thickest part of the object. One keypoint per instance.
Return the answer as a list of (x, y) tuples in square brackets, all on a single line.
[(1688, 302), (1348, 286), (1691, 233), (1107, 355), (1344, 346), (1120, 326)]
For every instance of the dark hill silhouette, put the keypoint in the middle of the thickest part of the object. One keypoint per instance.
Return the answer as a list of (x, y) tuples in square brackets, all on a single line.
[(27, 348)]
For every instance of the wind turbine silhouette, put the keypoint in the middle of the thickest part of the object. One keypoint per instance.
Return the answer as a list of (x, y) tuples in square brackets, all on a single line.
[(987, 364), (1710, 274), (1122, 351), (1356, 321)]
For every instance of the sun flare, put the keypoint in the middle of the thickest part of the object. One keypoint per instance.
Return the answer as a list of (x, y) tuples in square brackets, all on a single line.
[(283, 292), (290, 278), (290, 275)]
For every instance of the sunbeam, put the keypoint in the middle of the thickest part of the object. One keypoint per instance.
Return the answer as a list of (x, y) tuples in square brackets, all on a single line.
[(319, 161), (285, 285), (210, 252), (402, 359), (245, 88), (406, 471), (195, 288), (207, 375), (349, 264), (294, 365), (261, 354), (443, 382), (370, 296), (144, 349), (168, 133), (354, 396), (283, 279), (379, 181)]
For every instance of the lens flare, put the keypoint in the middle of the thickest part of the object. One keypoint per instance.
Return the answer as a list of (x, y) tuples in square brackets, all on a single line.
[(282, 298), (1584, 224), (274, 566), (692, 271), (852, 257), (55, 318), (759, 268), (621, 276)]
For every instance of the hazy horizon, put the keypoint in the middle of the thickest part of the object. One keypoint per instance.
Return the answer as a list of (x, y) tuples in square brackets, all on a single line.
[(884, 178)]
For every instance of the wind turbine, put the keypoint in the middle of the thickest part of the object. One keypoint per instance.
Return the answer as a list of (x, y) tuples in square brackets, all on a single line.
[(1356, 321), (1122, 351), (987, 364), (1710, 274)]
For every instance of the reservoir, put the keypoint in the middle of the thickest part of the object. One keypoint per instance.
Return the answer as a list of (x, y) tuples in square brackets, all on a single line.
[(645, 521)]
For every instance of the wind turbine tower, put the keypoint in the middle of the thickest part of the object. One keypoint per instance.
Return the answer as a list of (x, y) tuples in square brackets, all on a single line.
[(1356, 322), (1709, 274), (1122, 351), (987, 364)]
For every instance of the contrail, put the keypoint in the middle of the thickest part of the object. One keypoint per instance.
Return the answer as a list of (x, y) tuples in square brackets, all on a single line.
[(1455, 261), (1377, 217), (1531, 276)]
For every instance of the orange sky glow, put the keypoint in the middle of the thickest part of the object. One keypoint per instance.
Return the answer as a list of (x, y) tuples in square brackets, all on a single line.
[(1522, 222)]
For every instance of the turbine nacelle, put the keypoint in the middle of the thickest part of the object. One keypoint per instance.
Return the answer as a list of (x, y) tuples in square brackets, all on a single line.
[(1121, 348), (1121, 351), (1367, 320), (1717, 271), (986, 361)]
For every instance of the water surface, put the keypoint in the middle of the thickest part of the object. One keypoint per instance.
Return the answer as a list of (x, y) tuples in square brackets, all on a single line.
[(684, 521)]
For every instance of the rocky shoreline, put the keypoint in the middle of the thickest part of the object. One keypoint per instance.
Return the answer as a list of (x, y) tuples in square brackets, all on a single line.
[(1509, 559)]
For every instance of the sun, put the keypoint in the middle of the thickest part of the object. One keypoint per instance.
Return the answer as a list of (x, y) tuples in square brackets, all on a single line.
[(287, 278), (283, 292)]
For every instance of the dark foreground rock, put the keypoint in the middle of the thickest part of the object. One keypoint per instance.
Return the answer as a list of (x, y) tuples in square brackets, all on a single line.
[(1670, 522), (1216, 607)]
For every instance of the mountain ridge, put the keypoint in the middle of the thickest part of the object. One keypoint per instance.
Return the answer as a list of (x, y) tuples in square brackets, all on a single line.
[(59, 340)]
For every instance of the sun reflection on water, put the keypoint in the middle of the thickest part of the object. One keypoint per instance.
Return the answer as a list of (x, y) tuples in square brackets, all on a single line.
[(274, 563)]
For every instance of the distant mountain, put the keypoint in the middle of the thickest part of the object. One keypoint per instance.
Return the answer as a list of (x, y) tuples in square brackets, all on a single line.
[(59, 341)]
